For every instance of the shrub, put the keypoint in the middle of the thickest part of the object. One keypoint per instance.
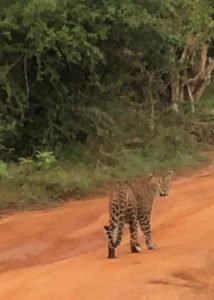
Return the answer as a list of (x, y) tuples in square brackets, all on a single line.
[(3, 170), (45, 160)]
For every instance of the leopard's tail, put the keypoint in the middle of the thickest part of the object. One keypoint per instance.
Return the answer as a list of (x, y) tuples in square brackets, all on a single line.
[(113, 231)]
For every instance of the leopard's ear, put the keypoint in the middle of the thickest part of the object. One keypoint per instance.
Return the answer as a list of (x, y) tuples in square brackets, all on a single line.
[(153, 178), (151, 175), (170, 172)]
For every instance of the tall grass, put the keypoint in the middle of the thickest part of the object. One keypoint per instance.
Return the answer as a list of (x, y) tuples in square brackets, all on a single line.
[(34, 188)]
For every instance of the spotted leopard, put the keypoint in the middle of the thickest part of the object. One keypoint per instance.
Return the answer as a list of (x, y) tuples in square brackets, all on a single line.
[(131, 203)]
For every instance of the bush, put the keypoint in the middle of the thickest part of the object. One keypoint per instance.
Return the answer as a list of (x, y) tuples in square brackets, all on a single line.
[(44, 181), (45, 160), (3, 170), (63, 62)]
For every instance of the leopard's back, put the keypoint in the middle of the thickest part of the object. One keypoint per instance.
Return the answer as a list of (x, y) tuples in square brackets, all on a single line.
[(122, 199), (143, 192)]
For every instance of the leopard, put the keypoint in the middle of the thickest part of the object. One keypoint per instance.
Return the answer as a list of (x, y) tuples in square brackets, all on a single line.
[(131, 203)]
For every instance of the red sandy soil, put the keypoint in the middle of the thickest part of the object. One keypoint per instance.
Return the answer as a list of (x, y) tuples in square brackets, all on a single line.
[(60, 254)]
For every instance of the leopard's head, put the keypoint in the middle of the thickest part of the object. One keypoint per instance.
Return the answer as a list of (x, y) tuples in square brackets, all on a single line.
[(162, 183)]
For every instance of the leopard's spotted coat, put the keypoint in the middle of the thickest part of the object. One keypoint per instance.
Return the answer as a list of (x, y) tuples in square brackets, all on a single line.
[(131, 203)]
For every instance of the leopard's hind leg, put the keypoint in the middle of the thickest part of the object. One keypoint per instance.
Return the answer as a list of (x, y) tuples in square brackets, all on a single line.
[(145, 225), (114, 234), (134, 245), (114, 230)]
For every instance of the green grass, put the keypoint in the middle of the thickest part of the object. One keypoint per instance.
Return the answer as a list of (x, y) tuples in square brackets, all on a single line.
[(50, 187)]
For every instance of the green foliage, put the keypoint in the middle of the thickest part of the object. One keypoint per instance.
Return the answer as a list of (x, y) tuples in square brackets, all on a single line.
[(206, 107), (5, 130), (58, 57), (3, 170), (26, 166), (45, 160)]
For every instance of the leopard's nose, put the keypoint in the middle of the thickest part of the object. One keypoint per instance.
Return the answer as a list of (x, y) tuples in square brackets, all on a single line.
[(164, 192)]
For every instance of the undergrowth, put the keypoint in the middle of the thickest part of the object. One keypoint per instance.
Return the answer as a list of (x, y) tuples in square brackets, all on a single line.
[(48, 178), (30, 184)]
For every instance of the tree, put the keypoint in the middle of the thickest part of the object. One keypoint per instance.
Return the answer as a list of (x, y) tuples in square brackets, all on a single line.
[(61, 60)]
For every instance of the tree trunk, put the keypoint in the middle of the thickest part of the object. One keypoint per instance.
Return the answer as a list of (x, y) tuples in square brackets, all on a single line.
[(191, 84)]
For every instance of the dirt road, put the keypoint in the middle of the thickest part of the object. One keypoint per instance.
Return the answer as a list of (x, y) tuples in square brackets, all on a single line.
[(61, 254)]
